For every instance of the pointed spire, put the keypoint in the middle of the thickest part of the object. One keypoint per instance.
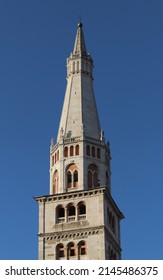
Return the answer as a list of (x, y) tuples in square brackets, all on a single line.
[(79, 109), (79, 47)]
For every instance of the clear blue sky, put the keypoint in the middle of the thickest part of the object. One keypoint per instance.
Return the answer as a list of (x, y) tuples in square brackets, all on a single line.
[(125, 39)]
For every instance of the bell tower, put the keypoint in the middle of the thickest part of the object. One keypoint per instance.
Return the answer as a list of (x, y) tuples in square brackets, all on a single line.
[(79, 218)]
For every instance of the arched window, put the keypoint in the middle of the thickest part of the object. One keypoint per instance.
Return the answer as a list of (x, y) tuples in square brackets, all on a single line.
[(81, 211), (66, 152), (92, 176), (69, 179), (71, 151), (98, 153), (71, 213), (52, 160), (75, 175), (57, 155), (60, 251), (55, 158), (107, 179), (71, 249), (60, 214), (72, 176), (77, 150), (93, 151), (82, 248), (55, 182), (88, 150)]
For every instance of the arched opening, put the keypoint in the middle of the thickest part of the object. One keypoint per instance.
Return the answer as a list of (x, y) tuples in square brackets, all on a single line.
[(98, 153), (107, 179), (93, 152), (55, 182), (92, 176), (71, 151), (57, 155), (88, 150), (82, 248), (72, 176), (60, 251), (81, 211), (77, 150), (60, 214), (75, 175), (71, 213), (69, 179), (66, 152), (52, 160), (71, 250)]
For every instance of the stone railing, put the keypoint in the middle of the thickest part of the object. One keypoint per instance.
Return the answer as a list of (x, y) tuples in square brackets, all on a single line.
[(82, 217), (61, 220), (70, 218), (71, 140)]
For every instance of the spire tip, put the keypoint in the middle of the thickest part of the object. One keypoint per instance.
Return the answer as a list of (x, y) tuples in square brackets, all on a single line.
[(80, 24)]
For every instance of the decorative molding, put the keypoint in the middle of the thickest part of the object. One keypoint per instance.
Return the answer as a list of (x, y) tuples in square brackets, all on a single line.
[(111, 201), (71, 195), (71, 235)]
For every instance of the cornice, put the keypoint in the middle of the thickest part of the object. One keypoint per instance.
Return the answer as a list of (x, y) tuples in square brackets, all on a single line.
[(71, 234), (71, 195), (113, 204)]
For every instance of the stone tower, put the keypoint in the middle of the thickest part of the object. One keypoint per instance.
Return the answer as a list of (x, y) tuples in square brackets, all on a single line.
[(79, 219)]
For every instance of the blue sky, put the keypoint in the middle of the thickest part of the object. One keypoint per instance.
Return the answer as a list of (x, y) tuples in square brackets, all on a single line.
[(125, 39)]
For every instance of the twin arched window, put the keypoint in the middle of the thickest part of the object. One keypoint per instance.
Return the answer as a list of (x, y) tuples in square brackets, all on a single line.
[(92, 176), (72, 176)]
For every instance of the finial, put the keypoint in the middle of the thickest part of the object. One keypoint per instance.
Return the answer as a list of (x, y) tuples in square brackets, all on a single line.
[(52, 142), (80, 24), (101, 135)]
